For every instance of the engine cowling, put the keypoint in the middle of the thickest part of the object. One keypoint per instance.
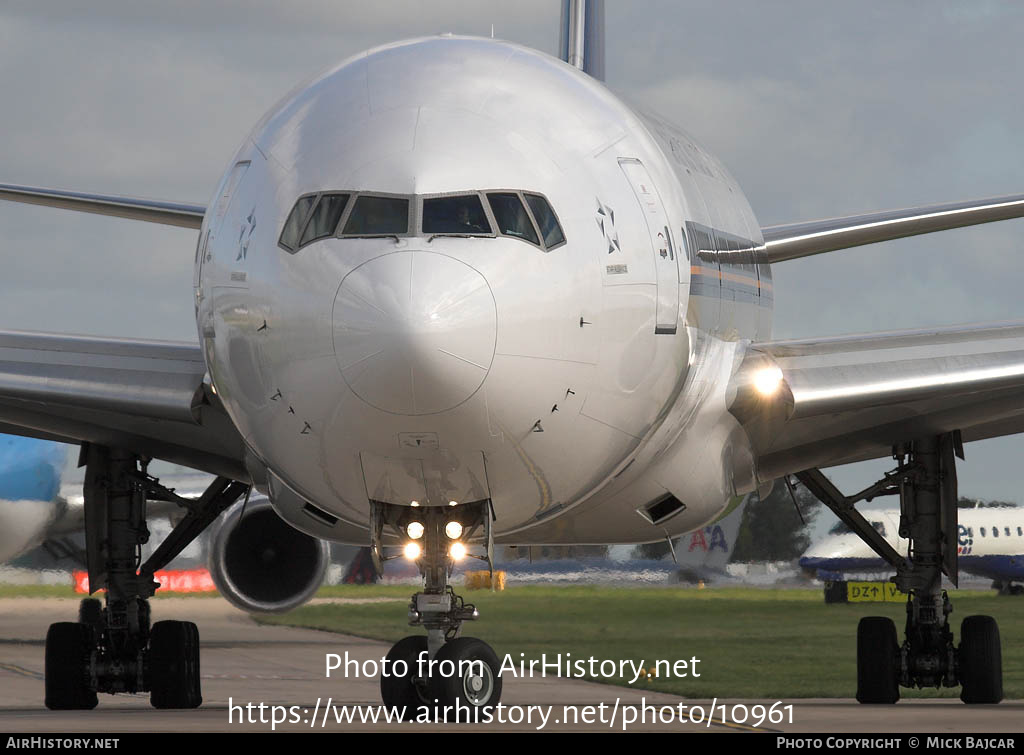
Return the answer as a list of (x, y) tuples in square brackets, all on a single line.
[(262, 564)]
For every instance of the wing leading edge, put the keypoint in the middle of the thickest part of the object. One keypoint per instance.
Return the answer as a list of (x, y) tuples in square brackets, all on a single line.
[(148, 396), (853, 398), (148, 210), (795, 240)]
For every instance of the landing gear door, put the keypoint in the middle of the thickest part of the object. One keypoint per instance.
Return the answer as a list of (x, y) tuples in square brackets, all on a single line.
[(658, 228)]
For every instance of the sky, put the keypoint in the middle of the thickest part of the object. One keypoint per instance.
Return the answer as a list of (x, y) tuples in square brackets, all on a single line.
[(818, 109)]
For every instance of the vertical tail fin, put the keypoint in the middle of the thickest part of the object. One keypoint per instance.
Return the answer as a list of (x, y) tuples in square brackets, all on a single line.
[(582, 38), (706, 552)]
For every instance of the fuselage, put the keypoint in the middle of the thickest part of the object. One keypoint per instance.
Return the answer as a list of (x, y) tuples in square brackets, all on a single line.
[(563, 352)]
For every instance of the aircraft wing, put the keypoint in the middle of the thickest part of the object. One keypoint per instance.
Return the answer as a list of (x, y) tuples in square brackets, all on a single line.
[(149, 396), (822, 402), (791, 241), (148, 210)]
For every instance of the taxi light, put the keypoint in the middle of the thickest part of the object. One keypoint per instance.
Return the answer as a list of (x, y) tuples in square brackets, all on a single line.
[(453, 530), (767, 381), (411, 551), (457, 551), (414, 530)]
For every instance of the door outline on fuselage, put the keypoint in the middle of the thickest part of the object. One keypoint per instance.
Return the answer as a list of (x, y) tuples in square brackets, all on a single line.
[(666, 263)]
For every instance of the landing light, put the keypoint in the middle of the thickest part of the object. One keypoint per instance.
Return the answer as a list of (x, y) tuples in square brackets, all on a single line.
[(414, 504), (457, 551), (768, 380), (415, 530), (453, 530), (411, 551), (453, 503)]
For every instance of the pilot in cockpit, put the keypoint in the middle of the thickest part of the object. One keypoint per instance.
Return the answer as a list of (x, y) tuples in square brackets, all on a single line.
[(465, 223)]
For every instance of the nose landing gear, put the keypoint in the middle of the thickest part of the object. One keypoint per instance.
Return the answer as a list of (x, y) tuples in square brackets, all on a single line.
[(925, 481), (442, 676)]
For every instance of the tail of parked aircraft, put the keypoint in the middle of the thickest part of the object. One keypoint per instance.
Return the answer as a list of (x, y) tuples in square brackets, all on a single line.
[(703, 554)]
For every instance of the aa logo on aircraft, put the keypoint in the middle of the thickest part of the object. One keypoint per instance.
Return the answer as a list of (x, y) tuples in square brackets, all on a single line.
[(708, 539)]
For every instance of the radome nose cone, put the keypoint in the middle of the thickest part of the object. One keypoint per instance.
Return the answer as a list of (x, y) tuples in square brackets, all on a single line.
[(414, 332)]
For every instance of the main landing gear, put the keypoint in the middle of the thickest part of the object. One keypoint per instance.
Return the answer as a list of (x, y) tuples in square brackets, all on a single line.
[(440, 676), (925, 481), (114, 648)]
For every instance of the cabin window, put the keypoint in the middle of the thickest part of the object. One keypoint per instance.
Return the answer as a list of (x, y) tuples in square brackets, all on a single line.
[(1006, 531), (983, 532), (512, 217), (550, 230), (460, 216), (296, 221), (378, 216), (323, 222), (995, 532)]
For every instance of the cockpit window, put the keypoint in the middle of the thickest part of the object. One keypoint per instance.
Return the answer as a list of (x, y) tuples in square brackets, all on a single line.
[(546, 220), (514, 213), (378, 216), (462, 215), (324, 220), (295, 222), (512, 217)]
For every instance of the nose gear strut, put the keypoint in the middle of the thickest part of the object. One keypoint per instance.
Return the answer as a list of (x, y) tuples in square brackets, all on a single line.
[(446, 675)]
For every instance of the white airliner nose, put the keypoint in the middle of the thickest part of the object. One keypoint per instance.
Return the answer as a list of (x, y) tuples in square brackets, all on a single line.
[(414, 332)]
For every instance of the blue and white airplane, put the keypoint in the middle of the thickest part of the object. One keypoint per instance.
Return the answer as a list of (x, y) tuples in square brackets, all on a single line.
[(990, 543), (36, 506), (32, 508)]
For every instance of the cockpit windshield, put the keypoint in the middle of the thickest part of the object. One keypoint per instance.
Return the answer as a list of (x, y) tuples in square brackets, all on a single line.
[(462, 215), (378, 216), (346, 213), (325, 218), (513, 220), (546, 220), (295, 223)]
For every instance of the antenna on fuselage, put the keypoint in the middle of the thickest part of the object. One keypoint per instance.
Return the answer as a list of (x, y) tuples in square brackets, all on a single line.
[(582, 36)]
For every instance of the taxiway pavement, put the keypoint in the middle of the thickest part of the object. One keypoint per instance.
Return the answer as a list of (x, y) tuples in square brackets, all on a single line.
[(245, 662)]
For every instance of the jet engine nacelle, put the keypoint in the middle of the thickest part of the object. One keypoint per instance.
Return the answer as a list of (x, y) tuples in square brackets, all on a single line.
[(260, 563)]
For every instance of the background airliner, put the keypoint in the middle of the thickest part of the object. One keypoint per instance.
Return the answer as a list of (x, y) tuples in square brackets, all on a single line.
[(685, 371), (32, 508), (37, 506), (990, 543)]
